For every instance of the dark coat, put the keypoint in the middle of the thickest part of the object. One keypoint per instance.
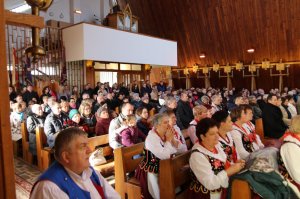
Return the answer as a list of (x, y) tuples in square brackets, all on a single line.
[(143, 126), (27, 96), (184, 114), (274, 126), (32, 123), (102, 126), (53, 124)]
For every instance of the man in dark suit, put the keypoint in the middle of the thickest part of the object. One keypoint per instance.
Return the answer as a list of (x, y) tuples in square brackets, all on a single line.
[(184, 112), (274, 126)]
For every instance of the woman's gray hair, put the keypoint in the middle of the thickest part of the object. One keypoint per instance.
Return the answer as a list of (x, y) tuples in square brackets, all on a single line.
[(157, 118), (35, 108)]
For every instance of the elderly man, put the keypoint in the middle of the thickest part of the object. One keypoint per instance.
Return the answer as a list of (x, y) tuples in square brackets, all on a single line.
[(116, 125), (216, 103), (71, 175), (170, 104), (33, 121), (53, 123), (184, 112)]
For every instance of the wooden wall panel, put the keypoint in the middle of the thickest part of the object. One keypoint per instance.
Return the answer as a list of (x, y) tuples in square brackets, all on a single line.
[(224, 30), (7, 180)]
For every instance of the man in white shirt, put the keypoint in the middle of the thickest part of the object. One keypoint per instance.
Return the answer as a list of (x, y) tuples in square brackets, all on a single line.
[(71, 176)]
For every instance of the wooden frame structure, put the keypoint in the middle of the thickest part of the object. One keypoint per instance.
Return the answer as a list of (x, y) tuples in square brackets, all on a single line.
[(7, 180)]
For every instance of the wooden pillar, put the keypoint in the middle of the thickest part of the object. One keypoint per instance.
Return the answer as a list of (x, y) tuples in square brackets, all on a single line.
[(229, 83), (253, 83), (7, 175), (280, 81), (188, 82), (206, 81)]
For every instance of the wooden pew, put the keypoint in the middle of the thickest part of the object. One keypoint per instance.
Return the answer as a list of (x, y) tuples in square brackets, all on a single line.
[(240, 189), (102, 142), (43, 152), (173, 173), (27, 156), (259, 129), (125, 164)]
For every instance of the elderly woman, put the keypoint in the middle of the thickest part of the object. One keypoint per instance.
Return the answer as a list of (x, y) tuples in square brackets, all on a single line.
[(199, 113), (289, 161), (210, 168), (160, 144), (182, 147), (35, 120)]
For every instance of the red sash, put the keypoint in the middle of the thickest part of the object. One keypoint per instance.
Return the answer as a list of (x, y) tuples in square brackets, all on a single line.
[(100, 190)]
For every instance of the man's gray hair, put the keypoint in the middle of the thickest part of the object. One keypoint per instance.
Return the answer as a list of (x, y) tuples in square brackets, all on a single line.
[(64, 138), (169, 100)]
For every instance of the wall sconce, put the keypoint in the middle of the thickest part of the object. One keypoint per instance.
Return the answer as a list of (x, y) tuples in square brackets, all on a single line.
[(89, 63), (265, 65), (239, 66), (280, 66), (186, 71), (216, 67), (77, 11), (195, 68), (252, 67), (227, 68), (205, 70)]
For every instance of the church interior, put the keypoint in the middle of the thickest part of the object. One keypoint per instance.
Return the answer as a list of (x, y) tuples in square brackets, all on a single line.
[(150, 99)]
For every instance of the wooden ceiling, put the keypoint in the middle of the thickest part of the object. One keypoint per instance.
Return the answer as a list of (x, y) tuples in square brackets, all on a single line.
[(223, 29)]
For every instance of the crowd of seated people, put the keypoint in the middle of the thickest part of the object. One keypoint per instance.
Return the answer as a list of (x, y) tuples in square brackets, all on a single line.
[(220, 124)]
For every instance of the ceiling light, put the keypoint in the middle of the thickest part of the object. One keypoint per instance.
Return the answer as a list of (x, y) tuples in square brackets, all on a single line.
[(250, 50), (77, 11), (21, 8), (202, 56)]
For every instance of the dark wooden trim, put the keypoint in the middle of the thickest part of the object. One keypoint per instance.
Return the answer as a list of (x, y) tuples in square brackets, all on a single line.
[(7, 175), (20, 19)]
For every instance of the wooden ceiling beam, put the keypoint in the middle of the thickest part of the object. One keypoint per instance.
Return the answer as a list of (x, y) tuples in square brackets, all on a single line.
[(20, 19)]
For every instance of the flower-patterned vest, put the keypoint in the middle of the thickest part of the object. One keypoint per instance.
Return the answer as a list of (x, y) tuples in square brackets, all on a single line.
[(230, 151), (282, 169), (150, 162), (246, 139), (195, 186)]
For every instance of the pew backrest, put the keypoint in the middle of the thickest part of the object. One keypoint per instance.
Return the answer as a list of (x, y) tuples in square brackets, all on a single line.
[(101, 141), (125, 163), (174, 172), (259, 129)]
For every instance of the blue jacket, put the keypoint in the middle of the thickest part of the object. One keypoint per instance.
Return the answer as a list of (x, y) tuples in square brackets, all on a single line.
[(58, 175)]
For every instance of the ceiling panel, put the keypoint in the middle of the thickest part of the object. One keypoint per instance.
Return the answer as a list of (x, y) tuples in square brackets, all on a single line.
[(223, 29)]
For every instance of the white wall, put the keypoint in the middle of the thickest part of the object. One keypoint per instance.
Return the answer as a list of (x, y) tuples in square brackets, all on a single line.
[(106, 44), (63, 10)]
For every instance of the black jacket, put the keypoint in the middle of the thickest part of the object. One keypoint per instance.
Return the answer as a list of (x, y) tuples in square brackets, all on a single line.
[(184, 114), (274, 126)]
